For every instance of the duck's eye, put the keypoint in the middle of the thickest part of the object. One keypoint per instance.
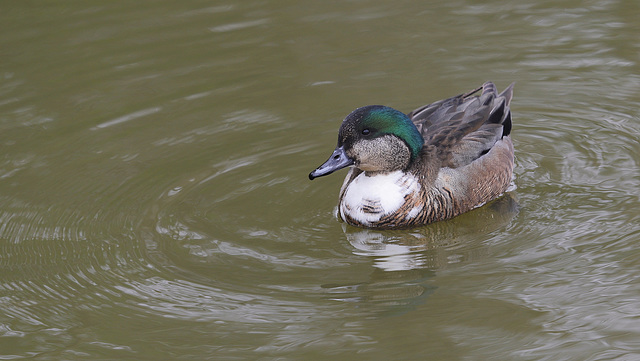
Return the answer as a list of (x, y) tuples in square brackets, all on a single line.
[(365, 131)]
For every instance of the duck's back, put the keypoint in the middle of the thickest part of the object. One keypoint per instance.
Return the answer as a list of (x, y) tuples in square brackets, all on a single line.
[(465, 127)]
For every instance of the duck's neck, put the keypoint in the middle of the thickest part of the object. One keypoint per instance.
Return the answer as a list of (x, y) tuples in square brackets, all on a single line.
[(425, 166)]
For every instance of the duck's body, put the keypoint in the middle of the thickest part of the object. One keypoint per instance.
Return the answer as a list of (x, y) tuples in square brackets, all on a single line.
[(437, 162)]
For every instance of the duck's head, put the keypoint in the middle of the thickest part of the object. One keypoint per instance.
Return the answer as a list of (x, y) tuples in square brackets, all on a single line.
[(374, 139)]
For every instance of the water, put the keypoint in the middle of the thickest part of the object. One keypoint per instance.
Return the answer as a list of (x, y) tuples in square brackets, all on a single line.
[(154, 200)]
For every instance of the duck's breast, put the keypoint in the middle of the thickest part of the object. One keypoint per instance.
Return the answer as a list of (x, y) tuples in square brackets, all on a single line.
[(367, 199)]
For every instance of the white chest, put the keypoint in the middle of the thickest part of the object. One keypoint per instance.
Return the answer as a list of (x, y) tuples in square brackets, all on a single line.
[(367, 199)]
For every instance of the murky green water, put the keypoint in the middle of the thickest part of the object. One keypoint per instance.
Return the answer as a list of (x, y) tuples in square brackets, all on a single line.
[(154, 200)]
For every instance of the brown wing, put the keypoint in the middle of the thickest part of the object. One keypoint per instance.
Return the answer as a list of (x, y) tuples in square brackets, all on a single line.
[(465, 127)]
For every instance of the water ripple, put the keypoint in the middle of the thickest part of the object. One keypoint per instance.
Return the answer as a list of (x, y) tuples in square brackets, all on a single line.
[(155, 203)]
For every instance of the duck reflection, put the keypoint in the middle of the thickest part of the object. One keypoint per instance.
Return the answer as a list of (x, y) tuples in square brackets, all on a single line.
[(434, 246), (404, 260)]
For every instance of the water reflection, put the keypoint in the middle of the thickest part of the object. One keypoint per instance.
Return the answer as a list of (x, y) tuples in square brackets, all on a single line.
[(386, 293), (404, 261), (436, 245)]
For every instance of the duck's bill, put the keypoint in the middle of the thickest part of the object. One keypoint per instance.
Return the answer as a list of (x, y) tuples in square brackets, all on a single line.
[(338, 160)]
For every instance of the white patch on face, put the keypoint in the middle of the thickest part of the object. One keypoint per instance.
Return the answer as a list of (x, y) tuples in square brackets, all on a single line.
[(367, 199)]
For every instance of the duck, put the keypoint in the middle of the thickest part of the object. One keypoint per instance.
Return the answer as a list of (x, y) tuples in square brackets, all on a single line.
[(432, 164)]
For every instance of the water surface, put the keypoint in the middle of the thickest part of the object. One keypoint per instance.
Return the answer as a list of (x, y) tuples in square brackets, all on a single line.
[(154, 200)]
